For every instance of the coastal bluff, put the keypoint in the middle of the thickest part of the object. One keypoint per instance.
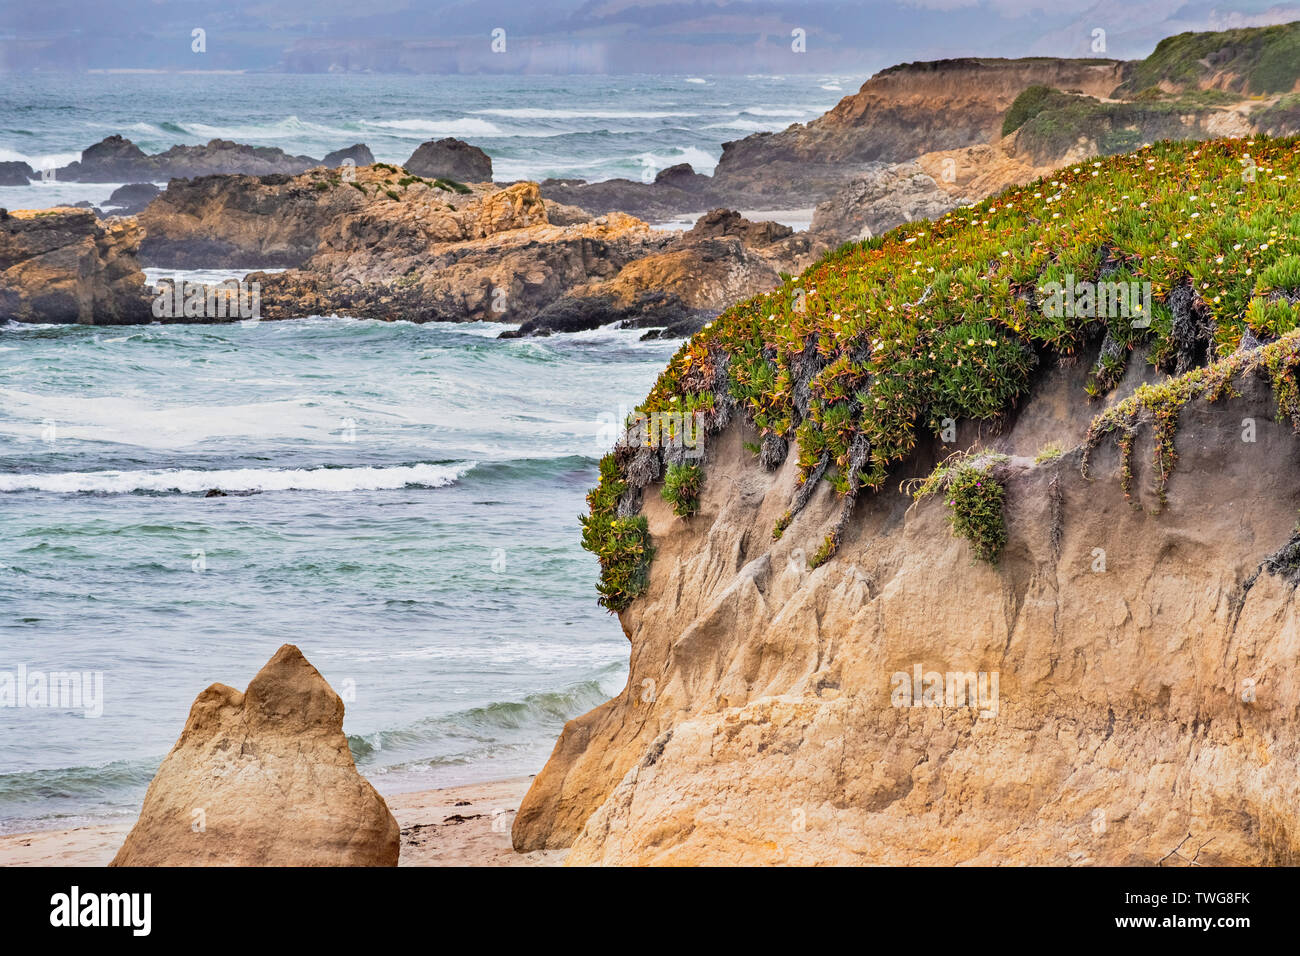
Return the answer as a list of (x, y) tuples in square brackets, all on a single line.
[(759, 724)]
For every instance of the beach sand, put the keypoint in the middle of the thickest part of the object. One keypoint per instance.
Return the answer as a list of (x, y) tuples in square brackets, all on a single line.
[(456, 826)]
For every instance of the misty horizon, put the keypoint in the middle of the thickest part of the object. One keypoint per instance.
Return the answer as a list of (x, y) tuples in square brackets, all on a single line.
[(559, 37)]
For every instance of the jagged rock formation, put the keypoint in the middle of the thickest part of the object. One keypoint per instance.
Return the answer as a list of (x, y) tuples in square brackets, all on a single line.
[(674, 191), (64, 265), (386, 244), (722, 258), (358, 153), (263, 778), (283, 221), (452, 159)]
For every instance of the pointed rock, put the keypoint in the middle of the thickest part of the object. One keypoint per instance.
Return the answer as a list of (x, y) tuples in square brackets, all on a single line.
[(263, 778)]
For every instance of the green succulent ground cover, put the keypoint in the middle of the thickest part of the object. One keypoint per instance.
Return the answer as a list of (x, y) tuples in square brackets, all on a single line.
[(871, 349)]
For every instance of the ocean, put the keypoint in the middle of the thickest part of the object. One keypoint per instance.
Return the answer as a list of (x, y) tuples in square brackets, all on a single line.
[(584, 127), (401, 500)]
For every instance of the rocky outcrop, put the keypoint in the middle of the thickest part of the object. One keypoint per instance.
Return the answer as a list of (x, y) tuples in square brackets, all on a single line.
[(388, 245), (359, 154), (1146, 688), (882, 198), (116, 159), (720, 223), (16, 174), (722, 259), (263, 778), (63, 265), (452, 159), (131, 199), (675, 191), (507, 275), (887, 196)]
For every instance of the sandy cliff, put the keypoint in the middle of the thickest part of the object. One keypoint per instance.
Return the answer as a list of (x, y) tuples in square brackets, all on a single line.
[(801, 653), (758, 727)]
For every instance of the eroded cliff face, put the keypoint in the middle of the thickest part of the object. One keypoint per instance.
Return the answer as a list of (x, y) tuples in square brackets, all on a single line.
[(1146, 695), (63, 265)]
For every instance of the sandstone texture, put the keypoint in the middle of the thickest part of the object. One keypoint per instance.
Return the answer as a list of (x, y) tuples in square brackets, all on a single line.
[(263, 778), (63, 265), (1147, 697)]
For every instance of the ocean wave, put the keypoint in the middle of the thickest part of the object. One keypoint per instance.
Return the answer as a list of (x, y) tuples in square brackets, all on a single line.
[(542, 113), (288, 127), (38, 161), (782, 111), (700, 160), (495, 723), (748, 126), (185, 481), (432, 127), (58, 796)]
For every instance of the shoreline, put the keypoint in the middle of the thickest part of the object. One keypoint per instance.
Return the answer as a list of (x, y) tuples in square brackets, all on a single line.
[(466, 825)]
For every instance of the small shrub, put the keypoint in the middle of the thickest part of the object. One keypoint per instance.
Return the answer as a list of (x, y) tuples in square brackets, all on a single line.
[(976, 500), (682, 489)]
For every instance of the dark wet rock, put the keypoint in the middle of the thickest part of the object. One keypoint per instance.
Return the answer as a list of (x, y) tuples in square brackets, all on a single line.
[(130, 200), (452, 159), (117, 159), (727, 222), (675, 192), (359, 154), (16, 174)]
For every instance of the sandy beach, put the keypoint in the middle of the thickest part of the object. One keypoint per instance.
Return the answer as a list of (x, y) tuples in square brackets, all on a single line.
[(456, 826)]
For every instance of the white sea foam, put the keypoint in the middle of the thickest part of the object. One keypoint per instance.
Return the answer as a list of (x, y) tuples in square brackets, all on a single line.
[(433, 127), (39, 161), (289, 127), (239, 479), (540, 113)]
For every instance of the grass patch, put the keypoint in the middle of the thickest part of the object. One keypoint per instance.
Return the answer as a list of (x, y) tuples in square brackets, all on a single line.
[(1048, 453)]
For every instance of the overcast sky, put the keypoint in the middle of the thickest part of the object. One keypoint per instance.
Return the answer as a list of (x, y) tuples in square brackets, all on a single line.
[(604, 36)]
